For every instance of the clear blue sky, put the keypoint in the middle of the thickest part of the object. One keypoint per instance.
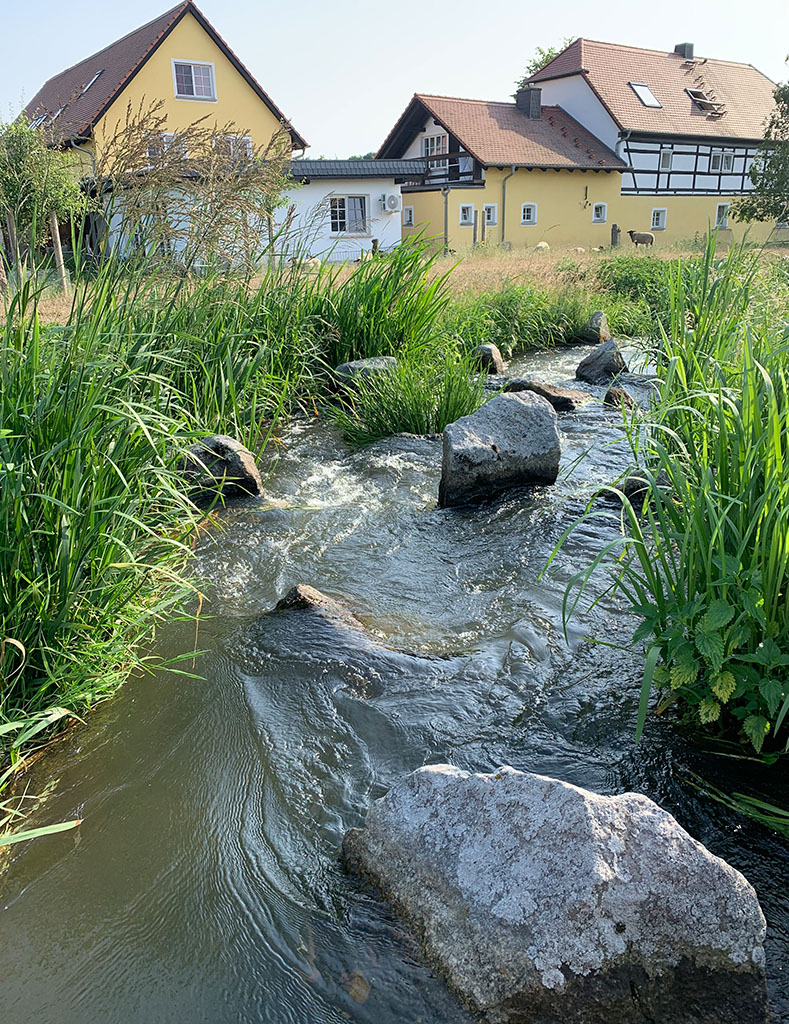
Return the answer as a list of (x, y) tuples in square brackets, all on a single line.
[(344, 71)]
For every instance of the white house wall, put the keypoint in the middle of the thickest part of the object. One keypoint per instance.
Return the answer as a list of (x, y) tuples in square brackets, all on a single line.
[(574, 95), (310, 232), (690, 173)]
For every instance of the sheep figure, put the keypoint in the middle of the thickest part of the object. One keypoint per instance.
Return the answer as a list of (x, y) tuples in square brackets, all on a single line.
[(641, 238)]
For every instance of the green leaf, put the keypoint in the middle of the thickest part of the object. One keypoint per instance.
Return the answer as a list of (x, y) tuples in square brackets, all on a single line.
[(709, 711), (724, 686), (756, 728), (684, 671), (646, 686), (34, 833), (710, 646), (772, 690), (718, 615)]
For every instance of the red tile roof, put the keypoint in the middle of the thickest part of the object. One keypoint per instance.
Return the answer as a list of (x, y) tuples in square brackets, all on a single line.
[(743, 94), (501, 134), (117, 64)]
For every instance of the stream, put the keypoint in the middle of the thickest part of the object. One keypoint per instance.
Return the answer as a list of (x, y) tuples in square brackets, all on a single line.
[(204, 884)]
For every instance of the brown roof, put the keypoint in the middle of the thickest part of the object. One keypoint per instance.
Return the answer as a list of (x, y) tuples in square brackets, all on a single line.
[(117, 64), (501, 134), (743, 94)]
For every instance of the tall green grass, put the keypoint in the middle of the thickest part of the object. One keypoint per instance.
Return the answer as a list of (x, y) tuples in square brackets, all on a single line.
[(704, 561)]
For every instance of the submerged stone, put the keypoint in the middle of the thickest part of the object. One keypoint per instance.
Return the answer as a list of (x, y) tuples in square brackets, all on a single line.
[(602, 364), (618, 397), (562, 399), (220, 463), (510, 441), (542, 902)]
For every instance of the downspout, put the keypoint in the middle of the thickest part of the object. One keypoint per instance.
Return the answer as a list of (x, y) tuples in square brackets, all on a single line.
[(623, 138), (504, 181), (445, 193)]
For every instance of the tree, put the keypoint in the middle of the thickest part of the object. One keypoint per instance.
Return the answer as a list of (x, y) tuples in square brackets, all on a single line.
[(36, 187), (363, 156), (539, 60), (769, 172)]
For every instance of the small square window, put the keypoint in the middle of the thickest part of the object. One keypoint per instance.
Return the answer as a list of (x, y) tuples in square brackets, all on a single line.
[(491, 214), (466, 214), (529, 213), (645, 94), (722, 161), (722, 215), (666, 156), (599, 213), (659, 220), (408, 216), (194, 81)]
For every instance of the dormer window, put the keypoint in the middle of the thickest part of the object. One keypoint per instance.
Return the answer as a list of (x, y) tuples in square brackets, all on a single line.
[(194, 81), (701, 99), (90, 83), (645, 94)]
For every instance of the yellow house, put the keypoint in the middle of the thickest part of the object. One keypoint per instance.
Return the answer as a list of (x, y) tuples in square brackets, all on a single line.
[(178, 59), (513, 174), (603, 135)]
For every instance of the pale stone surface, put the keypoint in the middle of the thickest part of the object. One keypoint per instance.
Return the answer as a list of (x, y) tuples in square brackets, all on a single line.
[(602, 364), (510, 441), (346, 373), (542, 247), (547, 904), (562, 399), (219, 462), (596, 328), (489, 358)]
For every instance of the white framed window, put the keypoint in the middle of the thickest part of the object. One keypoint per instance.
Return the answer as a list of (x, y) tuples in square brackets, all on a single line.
[(645, 94), (466, 215), (168, 142), (435, 145), (666, 156), (722, 215), (722, 160), (659, 219), (599, 213), (408, 216), (491, 213), (193, 81), (237, 148), (701, 99), (348, 215), (529, 213)]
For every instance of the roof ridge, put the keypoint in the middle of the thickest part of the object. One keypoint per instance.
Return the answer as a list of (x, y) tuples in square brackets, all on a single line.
[(468, 99), (670, 53), (134, 31)]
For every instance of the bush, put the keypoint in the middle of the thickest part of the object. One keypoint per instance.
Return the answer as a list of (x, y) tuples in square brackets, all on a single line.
[(639, 278)]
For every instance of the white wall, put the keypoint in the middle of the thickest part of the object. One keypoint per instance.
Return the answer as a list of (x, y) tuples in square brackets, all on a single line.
[(310, 233), (574, 95)]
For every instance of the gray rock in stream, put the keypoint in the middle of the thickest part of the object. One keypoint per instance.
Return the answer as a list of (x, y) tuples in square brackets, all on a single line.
[(543, 903), (596, 328), (489, 358), (510, 441), (602, 364), (562, 399), (347, 373), (221, 464)]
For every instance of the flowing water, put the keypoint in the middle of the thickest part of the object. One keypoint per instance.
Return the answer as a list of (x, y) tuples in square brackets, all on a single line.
[(204, 884)]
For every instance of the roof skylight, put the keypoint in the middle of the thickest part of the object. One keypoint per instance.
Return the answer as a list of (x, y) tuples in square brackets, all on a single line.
[(90, 83), (701, 99), (645, 94), (38, 121)]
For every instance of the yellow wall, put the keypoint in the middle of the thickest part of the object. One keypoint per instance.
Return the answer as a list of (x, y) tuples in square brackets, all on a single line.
[(564, 211), (236, 101)]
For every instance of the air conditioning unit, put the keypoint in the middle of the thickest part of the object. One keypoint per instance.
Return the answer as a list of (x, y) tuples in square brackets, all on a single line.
[(392, 203)]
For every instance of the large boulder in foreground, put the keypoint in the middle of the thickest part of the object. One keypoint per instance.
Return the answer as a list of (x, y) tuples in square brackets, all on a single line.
[(543, 903), (219, 463), (348, 373), (602, 364), (510, 441)]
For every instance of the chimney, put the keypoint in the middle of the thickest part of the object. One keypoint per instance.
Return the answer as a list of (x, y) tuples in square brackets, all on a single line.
[(529, 101), (684, 50)]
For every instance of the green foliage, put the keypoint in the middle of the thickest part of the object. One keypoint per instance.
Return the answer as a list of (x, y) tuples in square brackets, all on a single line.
[(769, 172), (34, 179), (706, 557), (542, 56), (421, 395), (639, 278)]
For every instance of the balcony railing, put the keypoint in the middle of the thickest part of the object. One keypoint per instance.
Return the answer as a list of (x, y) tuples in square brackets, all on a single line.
[(452, 167)]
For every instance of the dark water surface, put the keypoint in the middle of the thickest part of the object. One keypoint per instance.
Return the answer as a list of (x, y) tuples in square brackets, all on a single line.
[(204, 884)]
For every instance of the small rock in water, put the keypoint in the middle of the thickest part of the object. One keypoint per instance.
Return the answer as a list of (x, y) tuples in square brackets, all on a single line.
[(562, 399), (347, 373), (510, 441), (596, 328), (219, 462), (489, 359), (618, 397), (602, 364), (543, 902)]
